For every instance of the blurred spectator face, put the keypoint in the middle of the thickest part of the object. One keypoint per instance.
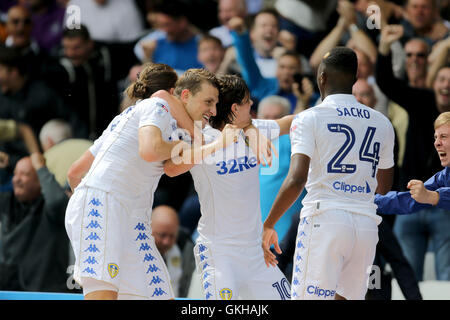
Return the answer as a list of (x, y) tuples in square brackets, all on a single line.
[(441, 88), (8, 78), (18, 26), (365, 67), (420, 13), (364, 93), (264, 33), (77, 50), (229, 9), (174, 28), (164, 228), (25, 181), (286, 68), (210, 54), (416, 59), (271, 112)]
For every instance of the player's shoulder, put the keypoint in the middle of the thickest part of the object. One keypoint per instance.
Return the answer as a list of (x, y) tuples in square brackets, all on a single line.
[(153, 102), (210, 134)]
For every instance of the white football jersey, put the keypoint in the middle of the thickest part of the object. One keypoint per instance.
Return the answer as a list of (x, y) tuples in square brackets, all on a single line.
[(227, 184), (347, 143), (117, 166)]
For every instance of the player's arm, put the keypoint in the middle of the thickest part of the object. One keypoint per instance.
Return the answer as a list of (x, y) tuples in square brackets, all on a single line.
[(289, 192), (261, 146), (285, 124), (192, 155), (152, 147), (79, 169), (385, 178)]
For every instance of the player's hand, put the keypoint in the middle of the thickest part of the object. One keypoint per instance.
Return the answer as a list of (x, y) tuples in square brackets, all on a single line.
[(270, 237), (421, 194), (261, 146), (230, 135)]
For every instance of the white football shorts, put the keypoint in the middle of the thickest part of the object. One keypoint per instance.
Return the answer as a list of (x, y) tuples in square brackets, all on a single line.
[(334, 253), (231, 272), (114, 243)]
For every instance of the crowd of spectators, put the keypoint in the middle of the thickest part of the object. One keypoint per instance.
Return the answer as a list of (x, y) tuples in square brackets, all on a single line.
[(64, 65)]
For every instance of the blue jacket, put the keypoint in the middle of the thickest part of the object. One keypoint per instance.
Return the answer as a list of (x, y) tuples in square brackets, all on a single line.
[(395, 202)]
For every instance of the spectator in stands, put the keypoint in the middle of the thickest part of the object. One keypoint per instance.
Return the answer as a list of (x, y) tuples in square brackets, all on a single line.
[(288, 64), (34, 253), (25, 99), (11, 130), (421, 162), (210, 53), (177, 46), (60, 149), (306, 20), (111, 20), (176, 250), (262, 43), (228, 9), (422, 20), (19, 28), (48, 23), (87, 78)]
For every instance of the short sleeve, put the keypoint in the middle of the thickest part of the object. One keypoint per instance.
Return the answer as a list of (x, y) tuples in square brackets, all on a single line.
[(269, 128), (156, 112), (302, 134), (386, 160)]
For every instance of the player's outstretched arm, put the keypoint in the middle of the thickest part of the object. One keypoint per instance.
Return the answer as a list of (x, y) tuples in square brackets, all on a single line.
[(285, 124), (385, 178), (189, 156), (290, 190)]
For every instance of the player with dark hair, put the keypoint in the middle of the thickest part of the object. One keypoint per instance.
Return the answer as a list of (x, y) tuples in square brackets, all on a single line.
[(343, 151), (228, 250)]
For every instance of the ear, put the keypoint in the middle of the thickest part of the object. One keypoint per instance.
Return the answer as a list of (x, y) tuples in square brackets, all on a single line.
[(234, 108), (185, 94), (171, 90)]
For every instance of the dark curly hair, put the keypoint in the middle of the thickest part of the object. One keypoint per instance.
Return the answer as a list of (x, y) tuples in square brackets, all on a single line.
[(233, 89)]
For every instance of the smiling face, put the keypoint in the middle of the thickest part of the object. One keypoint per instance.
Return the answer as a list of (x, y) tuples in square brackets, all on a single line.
[(442, 143), (201, 105), (25, 181), (441, 88), (264, 33)]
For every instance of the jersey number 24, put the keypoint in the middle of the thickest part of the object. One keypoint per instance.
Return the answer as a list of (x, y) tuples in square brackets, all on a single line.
[(336, 165)]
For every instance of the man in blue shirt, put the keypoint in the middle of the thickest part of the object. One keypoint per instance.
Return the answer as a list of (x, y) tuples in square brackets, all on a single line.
[(432, 199), (176, 45)]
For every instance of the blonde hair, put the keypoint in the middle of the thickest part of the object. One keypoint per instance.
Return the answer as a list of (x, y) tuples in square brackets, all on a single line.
[(443, 118), (192, 80)]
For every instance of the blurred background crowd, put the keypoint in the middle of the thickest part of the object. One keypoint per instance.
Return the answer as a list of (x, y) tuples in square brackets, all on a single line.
[(64, 65)]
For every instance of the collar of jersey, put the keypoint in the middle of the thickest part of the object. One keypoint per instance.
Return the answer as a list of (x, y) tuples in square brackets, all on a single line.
[(339, 98)]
